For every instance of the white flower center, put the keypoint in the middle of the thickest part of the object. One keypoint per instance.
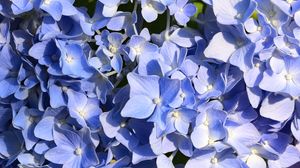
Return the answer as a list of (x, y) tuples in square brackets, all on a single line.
[(149, 6), (78, 151), (274, 22), (82, 113), (214, 160), (156, 100), (138, 50), (47, 2), (113, 49), (288, 77), (182, 95), (69, 59), (257, 65), (64, 89), (31, 119), (123, 124), (210, 141), (206, 123), (254, 151), (238, 16), (209, 87), (259, 28), (265, 143), (176, 114)]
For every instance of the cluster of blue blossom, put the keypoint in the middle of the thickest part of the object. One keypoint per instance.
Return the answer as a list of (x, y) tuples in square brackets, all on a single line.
[(103, 91)]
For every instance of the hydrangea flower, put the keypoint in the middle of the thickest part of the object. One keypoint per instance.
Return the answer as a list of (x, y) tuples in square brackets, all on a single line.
[(153, 93), (285, 74), (149, 83), (151, 9), (230, 12), (182, 11), (72, 148)]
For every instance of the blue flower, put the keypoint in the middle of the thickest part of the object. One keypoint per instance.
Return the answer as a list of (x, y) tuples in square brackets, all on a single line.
[(287, 45), (230, 12), (85, 110), (287, 158), (73, 61), (232, 46), (284, 76), (67, 27), (172, 57), (273, 105), (209, 128), (210, 158), (114, 49), (151, 9), (11, 144), (272, 13), (26, 120), (110, 7), (58, 8), (152, 92), (208, 83), (241, 137), (178, 120), (289, 6), (182, 11), (48, 54), (260, 32), (10, 68), (99, 85), (19, 7), (74, 149), (51, 117), (138, 46)]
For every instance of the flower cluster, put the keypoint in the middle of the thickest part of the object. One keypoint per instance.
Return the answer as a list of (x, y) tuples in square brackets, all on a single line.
[(150, 83)]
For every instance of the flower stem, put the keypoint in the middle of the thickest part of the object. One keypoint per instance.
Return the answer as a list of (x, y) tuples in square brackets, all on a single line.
[(167, 31), (135, 10)]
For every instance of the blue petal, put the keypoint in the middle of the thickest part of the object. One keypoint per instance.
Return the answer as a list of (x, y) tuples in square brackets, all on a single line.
[(278, 81), (117, 63), (54, 8), (221, 47), (66, 139), (126, 138), (164, 161), (277, 107), (143, 85), (89, 157), (183, 37), (243, 57), (138, 106), (200, 136), (8, 87), (59, 155), (44, 129), (169, 89), (149, 14), (56, 97)]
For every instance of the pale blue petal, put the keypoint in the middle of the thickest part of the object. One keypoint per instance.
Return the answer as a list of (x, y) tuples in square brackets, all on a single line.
[(221, 47), (164, 161), (277, 107), (139, 107)]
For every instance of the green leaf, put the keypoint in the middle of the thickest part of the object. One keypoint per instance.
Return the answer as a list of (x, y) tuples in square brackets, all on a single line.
[(254, 15), (200, 8)]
